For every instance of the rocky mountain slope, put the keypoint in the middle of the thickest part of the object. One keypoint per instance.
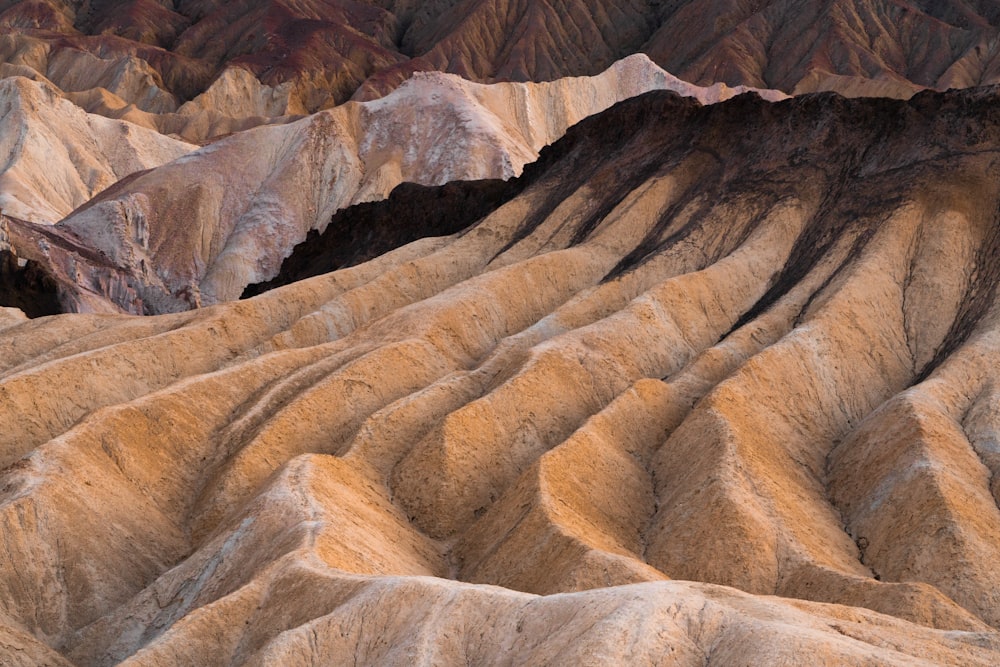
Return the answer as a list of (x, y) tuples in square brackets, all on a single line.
[(855, 47), (201, 69), (739, 359), (199, 229)]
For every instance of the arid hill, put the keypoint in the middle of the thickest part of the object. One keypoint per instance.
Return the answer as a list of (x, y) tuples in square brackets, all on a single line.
[(197, 230), (739, 360), (855, 47), (54, 157), (203, 68)]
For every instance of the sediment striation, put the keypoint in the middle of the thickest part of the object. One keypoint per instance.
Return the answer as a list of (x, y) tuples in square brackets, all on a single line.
[(703, 384)]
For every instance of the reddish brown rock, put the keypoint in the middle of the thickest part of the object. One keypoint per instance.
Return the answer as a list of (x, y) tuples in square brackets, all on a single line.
[(311, 55)]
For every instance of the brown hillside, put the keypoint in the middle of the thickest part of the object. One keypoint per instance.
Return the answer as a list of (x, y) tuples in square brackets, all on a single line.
[(307, 55)]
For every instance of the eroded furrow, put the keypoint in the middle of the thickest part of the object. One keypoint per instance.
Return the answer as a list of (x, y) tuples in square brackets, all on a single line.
[(764, 359)]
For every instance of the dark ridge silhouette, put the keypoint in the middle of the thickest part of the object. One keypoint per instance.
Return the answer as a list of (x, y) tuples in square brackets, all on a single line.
[(362, 232), (26, 285)]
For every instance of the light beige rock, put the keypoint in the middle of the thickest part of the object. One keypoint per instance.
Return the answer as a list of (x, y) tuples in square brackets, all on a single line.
[(127, 77), (237, 93), (56, 157)]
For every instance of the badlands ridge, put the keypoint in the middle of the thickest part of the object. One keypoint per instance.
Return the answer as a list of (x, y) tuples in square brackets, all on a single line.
[(199, 68), (703, 385), (188, 232)]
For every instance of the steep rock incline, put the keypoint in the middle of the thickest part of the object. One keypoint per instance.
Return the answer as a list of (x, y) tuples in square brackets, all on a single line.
[(199, 68), (55, 157), (197, 231), (856, 47), (752, 346)]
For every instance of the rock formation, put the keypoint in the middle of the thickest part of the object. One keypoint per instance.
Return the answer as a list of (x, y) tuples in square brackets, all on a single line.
[(199, 229), (855, 47), (201, 69), (55, 157), (704, 385)]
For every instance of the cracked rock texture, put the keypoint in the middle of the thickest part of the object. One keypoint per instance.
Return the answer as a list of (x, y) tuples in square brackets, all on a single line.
[(704, 385)]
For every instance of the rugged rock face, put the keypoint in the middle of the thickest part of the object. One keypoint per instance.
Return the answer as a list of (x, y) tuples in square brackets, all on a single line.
[(199, 229), (856, 47), (750, 346), (200, 69)]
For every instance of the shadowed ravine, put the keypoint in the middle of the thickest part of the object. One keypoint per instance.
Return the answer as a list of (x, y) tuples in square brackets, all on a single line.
[(748, 345)]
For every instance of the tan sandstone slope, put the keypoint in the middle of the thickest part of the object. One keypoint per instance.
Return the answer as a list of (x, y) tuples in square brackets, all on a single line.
[(738, 360), (198, 230)]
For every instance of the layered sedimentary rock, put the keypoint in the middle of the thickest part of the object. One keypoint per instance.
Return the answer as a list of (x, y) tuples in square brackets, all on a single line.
[(201, 69), (738, 360), (199, 229)]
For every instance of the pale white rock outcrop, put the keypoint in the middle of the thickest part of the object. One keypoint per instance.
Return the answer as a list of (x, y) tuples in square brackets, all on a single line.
[(55, 156)]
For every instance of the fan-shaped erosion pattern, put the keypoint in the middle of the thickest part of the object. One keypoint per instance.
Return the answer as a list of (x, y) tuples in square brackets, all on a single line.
[(736, 362)]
